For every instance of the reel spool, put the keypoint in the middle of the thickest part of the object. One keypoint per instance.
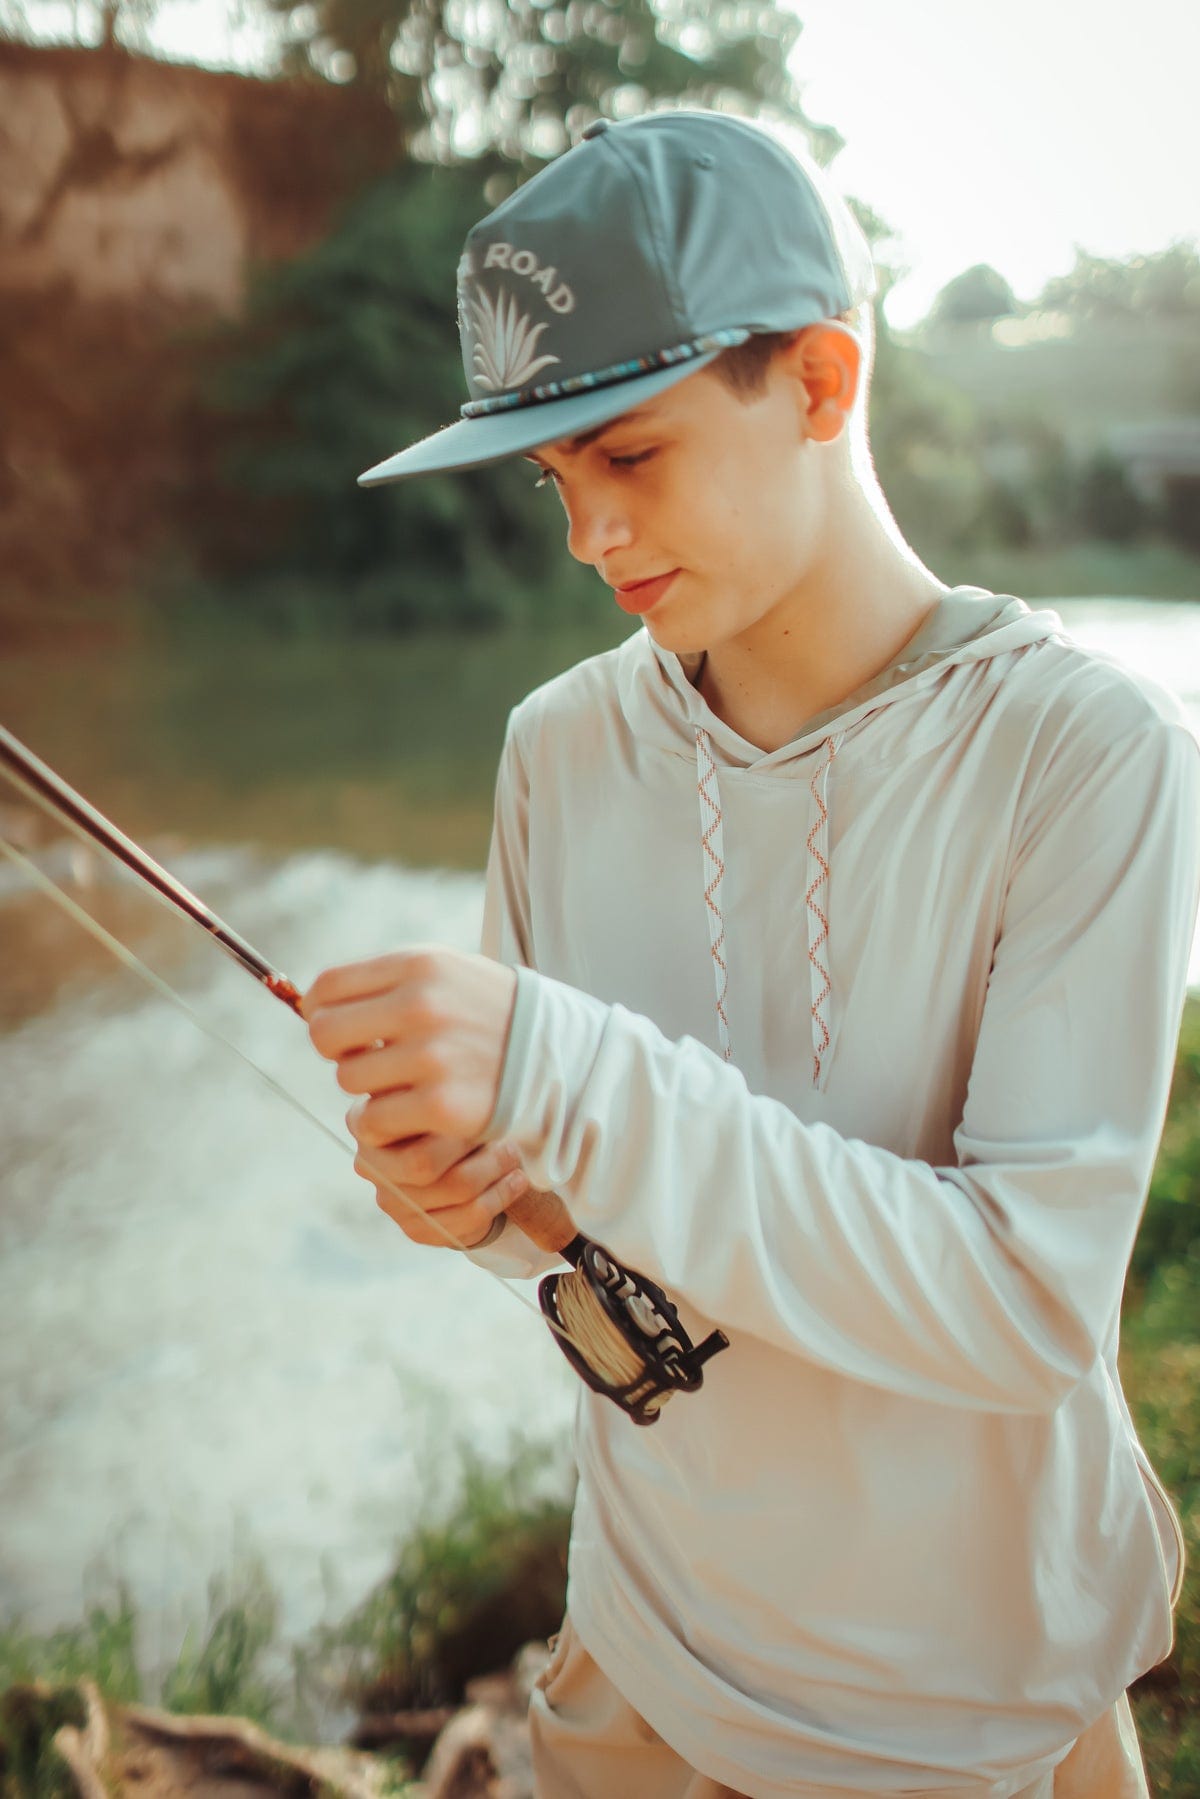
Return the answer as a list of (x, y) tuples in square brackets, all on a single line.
[(621, 1334)]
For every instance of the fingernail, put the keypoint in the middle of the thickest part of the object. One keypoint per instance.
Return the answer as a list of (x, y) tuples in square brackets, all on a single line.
[(516, 1183)]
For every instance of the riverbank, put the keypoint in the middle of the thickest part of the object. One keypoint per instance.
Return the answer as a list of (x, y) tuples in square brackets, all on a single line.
[(459, 1624)]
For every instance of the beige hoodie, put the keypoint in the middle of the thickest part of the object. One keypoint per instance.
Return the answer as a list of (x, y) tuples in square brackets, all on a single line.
[(861, 1049)]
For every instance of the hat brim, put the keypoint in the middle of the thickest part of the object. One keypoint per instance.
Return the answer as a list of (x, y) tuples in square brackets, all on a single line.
[(473, 443)]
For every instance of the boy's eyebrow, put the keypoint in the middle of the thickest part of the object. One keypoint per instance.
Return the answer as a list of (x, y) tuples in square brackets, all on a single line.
[(636, 417)]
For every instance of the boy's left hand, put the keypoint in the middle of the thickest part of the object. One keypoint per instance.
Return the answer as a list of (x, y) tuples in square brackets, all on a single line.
[(427, 1026)]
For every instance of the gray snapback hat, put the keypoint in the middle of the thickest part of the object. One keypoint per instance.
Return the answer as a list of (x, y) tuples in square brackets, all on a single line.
[(628, 263)]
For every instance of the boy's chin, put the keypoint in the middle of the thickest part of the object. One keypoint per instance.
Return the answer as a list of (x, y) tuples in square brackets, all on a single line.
[(679, 637)]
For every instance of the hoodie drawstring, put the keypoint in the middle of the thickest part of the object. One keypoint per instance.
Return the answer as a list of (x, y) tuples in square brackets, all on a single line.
[(816, 900), (712, 843), (821, 984)]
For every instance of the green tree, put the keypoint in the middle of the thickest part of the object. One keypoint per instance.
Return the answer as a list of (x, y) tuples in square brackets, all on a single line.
[(923, 429), (1165, 285), (522, 79), (976, 297), (1109, 506), (343, 356), (101, 24)]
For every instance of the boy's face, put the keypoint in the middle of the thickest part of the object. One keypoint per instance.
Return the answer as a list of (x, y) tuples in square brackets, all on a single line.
[(710, 497)]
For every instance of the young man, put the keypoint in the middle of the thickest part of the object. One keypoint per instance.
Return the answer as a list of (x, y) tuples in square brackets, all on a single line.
[(835, 945)]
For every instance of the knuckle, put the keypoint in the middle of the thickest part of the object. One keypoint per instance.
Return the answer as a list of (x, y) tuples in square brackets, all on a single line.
[(440, 1110), (459, 1188), (421, 1165), (409, 1218), (423, 965), (421, 1013), (368, 1165)]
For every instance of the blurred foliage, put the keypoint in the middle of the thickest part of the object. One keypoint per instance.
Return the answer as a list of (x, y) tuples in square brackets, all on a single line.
[(1170, 1231), (977, 296), (521, 78), (343, 357), (1163, 285), (465, 1593), (102, 1647), (219, 1669), (100, 24), (968, 466), (1160, 1371), (1108, 504)]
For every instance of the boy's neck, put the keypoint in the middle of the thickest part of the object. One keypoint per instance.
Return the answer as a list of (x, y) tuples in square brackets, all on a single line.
[(851, 615)]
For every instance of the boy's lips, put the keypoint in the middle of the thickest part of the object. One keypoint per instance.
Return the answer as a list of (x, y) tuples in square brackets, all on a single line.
[(639, 596)]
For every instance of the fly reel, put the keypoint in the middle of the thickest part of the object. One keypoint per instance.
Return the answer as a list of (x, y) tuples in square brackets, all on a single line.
[(621, 1333)]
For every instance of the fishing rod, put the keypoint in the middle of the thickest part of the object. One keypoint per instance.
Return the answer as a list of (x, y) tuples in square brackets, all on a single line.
[(619, 1331)]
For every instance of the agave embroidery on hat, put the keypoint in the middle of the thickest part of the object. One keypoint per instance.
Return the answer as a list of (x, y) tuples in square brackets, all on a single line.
[(505, 351)]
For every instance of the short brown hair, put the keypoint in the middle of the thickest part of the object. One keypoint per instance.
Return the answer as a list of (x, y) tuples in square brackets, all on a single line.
[(743, 369)]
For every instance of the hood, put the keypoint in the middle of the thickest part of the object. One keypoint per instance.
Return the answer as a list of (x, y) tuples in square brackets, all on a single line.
[(664, 708)]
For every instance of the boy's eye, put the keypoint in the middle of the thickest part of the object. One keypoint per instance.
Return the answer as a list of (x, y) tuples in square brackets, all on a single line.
[(548, 474)]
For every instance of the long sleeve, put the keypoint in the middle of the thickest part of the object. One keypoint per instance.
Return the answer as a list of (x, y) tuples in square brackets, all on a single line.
[(506, 937), (990, 1284)]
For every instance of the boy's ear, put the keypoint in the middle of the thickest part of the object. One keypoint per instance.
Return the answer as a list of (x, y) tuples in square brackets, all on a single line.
[(826, 361)]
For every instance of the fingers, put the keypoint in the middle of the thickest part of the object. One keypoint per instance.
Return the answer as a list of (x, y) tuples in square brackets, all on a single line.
[(465, 1226), (436, 1177), (462, 1203), (361, 980), (338, 1031), (374, 1070)]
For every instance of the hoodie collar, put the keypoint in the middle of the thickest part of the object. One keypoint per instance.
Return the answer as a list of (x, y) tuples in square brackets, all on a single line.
[(967, 624)]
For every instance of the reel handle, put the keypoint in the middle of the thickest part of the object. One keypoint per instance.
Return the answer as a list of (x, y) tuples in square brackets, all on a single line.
[(544, 1218)]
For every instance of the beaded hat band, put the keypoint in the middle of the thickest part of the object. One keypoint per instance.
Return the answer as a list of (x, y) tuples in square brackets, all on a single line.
[(619, 371)]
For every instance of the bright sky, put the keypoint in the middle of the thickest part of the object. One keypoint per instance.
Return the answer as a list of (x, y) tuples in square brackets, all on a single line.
[(1008, 133)]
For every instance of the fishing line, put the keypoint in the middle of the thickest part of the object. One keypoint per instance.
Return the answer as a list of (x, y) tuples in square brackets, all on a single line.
[(130, 960), (618, 1329)]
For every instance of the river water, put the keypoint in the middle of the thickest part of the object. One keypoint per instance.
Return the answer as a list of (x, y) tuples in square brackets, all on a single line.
[(213, 1346)]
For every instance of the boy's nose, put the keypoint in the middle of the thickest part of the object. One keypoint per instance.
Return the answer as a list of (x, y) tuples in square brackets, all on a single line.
[(597, 527)]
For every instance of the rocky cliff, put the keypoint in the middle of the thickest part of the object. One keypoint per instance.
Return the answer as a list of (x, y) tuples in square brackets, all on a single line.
[(135, 196)]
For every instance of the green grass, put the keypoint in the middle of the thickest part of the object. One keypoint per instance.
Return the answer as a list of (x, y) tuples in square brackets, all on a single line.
[(467, 1591), (1160, 1371), (102, 1647), (1160, 1368), (218, 1670)]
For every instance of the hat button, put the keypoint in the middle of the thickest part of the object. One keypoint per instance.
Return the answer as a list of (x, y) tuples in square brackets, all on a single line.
[(597, 128)]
